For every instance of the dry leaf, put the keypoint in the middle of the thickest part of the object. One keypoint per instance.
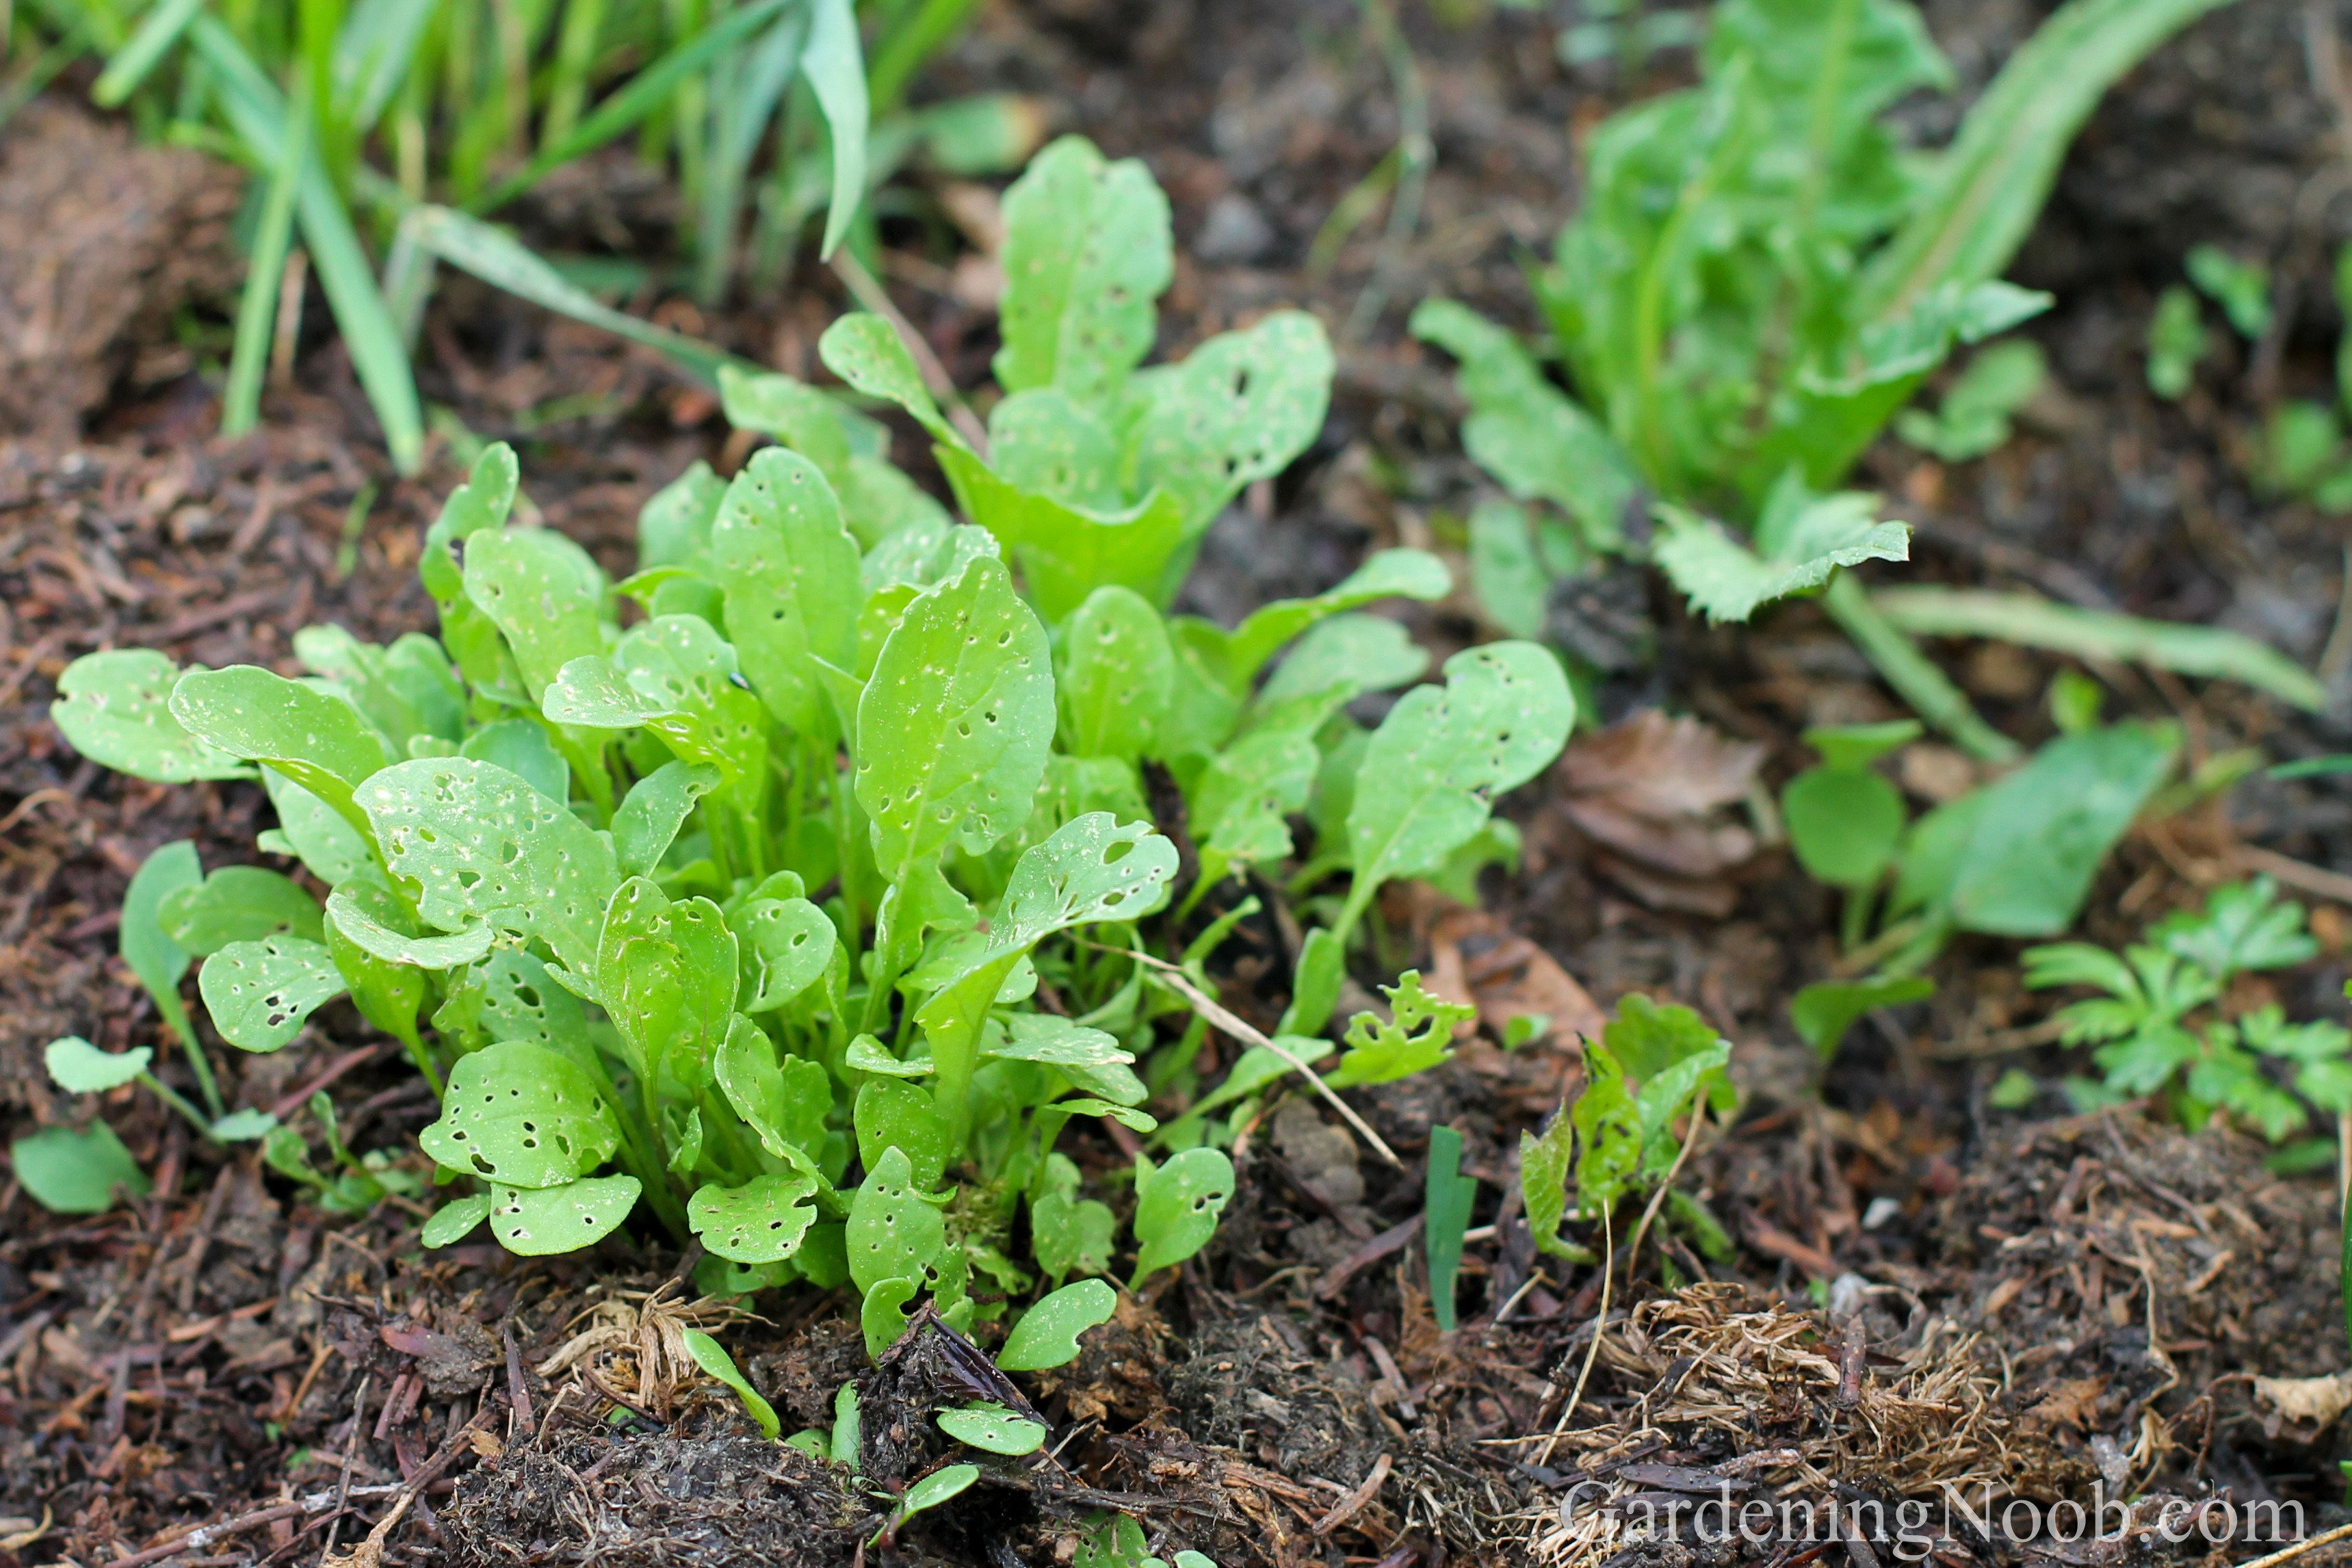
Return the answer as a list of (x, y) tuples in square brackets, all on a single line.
[(487, 1444), (1481, 962), (2073, 1403), (1651, 794), (2308, 1401)]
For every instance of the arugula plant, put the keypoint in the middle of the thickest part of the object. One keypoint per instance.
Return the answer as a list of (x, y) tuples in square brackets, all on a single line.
[(1651, 1066), (2166, 1026), (806, 911), (1760, 276)]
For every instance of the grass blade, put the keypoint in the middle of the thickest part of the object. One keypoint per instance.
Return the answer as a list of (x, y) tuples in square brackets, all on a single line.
[(258, 114), (836, 69), (148, 45), (2207, 652), (497, 258), (646, 91), (745, 106), (908, 43), (1987, 189), (256, 310), (374, 52), (1912, 674)]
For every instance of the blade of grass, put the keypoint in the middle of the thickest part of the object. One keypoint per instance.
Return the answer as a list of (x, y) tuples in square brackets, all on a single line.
[(256, 310), (157, 33), (575, 53), (258, 114), (2203, 651), (1985, 192), (40, 70), (747, 103), (906, 43), (497, 258), (646, 92), (376, 49), (836, 69)]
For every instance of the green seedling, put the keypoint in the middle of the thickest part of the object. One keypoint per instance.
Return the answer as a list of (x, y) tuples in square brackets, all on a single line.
[(1759, 277), (1446, 1197), (712, 1358), (1975, 416), (2165, 1026), (802, 915)]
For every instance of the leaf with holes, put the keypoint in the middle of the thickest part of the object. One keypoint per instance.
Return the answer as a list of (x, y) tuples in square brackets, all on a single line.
[(239, 903), (792, 576), (1047, 1334), (537, 1222), (115, 708), (955, 723), (372, 919), (523, 1116), (1351, 653), (484, 845), (788, 941), (1241, 806), (890, 1115), (1071, 1235), (1086, 255), (389, 996), (1417, 1037), (762, 1221), (784, 1101), (320, 742), (326, 841), (1090, 1058), (1117, 671), (542, 592), (1433, 767), (508, 995), (994, 1428), (1092, 868), (1176, 1207), (260, 993), (1237, 411), (79, 1068), (866, 351), (668, 974), (647, 820), (894, 1232)]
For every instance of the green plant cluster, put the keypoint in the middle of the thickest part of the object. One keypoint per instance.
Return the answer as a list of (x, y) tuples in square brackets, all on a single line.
[(2166, 1024), (1762, 275), (840, 856), (358, 117)]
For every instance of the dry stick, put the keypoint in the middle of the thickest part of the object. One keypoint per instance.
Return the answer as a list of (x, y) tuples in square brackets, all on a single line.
[(871, 295), (2287, 1554), (1354, 1502), (1600, 1325), (1215, 1012)]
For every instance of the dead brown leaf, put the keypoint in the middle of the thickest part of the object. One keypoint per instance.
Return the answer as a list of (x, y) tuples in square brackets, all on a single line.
[(1651, 794), (2073, 1403), (1480, 962)]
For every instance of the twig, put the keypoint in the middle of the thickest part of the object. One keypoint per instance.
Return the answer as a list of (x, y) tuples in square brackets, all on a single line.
[(1354, 1503), (1593, 1352), (1690, 1142), (1215, 1012), (2294, 873), (290, 1104), (2288, 1554), (351, 1451), (872, 295)]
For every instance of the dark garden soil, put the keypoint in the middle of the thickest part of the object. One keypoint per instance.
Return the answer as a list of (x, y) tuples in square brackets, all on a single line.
[(2039, 1303)]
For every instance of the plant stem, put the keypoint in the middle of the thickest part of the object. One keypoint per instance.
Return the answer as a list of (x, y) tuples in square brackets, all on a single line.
[(178, 1102), (1911, 673)]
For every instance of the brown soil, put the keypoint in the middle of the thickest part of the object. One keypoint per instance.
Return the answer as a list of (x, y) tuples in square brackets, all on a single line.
[(2034, 1298)]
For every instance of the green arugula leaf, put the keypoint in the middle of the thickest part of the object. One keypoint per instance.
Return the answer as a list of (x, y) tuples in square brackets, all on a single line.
[(387, 994), (366, 915), (1386, 575), (894, 1234), (454, 1221), (484, 845), (544, 595), (523, 1116), (1727, 582), (1237, 411), (521, 747), (1176, 1207), (713, 1359), (1067, 551), (239, 903), (79, 1068), (884, 1315), (70, 1172), (792, 573), (318, 740), (865, 351), (992, 1427), (1822, 1012), (153, 955), (1420, 1037), (762, 1221), (1608, 1133), (539, 1222), (1544, 1164), (1047, 1334), (259, 993), (330, 845), (1117, 671), (1087, 256), (894, 1115), (115, 709), (648, 818)]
